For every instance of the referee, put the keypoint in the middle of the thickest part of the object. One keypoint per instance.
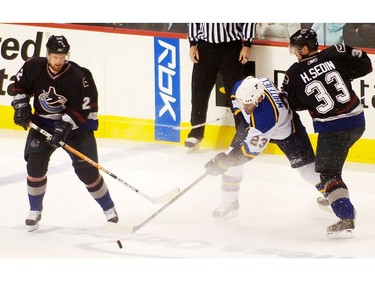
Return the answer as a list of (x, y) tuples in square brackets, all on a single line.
[(214, 48)]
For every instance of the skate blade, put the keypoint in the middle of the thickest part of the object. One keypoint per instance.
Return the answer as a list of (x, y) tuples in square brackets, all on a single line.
[(345, 234), (31, 228), (192, 149), (229, 216), (326, 208)]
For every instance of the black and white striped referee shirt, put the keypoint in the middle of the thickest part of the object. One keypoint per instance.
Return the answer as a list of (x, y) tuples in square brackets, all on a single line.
[(221, 32)]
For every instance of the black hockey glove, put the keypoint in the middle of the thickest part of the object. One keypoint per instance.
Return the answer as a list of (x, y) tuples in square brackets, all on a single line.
[(216, 166), (22, 110), (60, 133)]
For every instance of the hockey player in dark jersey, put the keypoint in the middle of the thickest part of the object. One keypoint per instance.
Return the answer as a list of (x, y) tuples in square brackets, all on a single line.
[(266, 118), (320, 82), (64, 97)]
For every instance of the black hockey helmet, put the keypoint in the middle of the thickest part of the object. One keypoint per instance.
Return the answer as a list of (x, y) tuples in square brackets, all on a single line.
[(57, 44), (305, 37)]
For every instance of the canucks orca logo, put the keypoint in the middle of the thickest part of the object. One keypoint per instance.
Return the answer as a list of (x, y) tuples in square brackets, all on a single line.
[(52, 102)]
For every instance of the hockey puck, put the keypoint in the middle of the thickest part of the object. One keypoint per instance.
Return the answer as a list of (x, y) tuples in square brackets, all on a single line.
[(119, 244)]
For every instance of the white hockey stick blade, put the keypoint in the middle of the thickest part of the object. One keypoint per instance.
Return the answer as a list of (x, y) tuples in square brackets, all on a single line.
[(128, 229), (119, 228), (166, 197), (201, 125)]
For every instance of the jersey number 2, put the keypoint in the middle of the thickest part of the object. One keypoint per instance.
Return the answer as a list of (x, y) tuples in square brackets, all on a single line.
[(86, 103)]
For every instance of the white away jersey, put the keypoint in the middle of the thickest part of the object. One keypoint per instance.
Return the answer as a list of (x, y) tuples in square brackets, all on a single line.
[(272, 119)]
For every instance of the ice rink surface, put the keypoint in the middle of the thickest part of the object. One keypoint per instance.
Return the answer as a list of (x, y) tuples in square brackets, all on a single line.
[(278, 235)]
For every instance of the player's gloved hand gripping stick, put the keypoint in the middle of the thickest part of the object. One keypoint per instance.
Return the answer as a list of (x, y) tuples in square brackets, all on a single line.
[(156, 200)]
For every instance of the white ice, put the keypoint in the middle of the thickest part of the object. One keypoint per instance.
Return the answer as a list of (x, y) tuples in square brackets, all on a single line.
[(279, 233)]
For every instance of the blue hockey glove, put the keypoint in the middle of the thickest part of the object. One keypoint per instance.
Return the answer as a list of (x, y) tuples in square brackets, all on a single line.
[(60, 133), (22, 110), (216, 166)]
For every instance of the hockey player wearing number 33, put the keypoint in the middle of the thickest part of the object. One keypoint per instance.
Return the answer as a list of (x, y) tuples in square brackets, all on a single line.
[(266, 117), (65, 104), (320, 82)]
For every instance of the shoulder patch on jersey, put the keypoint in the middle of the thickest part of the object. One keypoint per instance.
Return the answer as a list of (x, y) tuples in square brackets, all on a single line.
[(340, 48)]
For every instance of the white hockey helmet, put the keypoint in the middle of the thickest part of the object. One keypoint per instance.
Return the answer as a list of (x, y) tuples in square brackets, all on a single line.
[(250, 90)]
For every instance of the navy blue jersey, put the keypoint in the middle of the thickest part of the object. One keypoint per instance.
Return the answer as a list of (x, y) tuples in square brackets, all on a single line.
[(71, 93), (321, 84)]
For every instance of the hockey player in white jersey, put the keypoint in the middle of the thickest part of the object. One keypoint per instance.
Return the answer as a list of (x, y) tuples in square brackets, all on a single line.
[(266, 117)]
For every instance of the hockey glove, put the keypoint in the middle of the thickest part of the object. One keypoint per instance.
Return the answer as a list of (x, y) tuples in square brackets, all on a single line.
[(216, 166), (22, 110), (60, 133)]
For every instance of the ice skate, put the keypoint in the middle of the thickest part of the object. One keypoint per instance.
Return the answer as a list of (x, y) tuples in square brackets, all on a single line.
[(324, 204), (32, 221), (344, 228), (227, 210), (111, 215), (192, 144)]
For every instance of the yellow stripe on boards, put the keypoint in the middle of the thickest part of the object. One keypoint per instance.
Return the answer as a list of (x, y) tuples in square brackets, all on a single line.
[(216, 136)]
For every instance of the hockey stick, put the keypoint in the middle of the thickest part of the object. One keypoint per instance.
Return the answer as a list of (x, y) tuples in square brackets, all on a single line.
[(124, 229), (200, 125), (156, 200)]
